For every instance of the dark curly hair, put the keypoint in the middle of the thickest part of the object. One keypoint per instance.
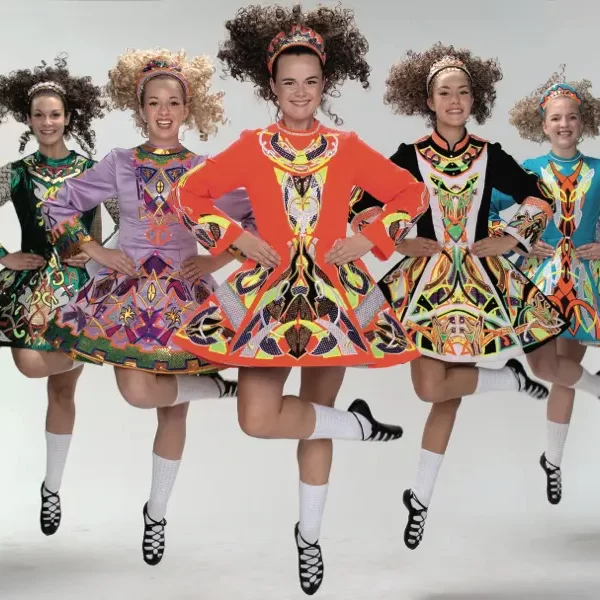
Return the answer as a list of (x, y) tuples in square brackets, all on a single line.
[(526, 117), (253, 28), (407, 82), (83, 100)]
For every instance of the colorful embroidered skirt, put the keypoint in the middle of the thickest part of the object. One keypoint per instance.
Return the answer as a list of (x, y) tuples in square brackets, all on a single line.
[(573, 285), (130, 322), (302, 314), (29, 301), (459, 308)]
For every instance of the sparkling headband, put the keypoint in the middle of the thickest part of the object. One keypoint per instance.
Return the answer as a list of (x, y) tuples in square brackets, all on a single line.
[(156, 68), (559, 90), (50, 86), (299, 35), (446, 63)]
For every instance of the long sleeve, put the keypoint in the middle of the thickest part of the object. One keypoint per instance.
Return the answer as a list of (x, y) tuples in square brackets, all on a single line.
[(236, 205), (525, 187), (63, 211), (199, 192), (404, 199), (499, 202), (5, 187)]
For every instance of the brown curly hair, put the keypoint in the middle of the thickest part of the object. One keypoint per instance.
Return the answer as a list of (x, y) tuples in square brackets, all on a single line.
[(205, 109), (253, 28), (406, 85), (83, 100), (526, 117)]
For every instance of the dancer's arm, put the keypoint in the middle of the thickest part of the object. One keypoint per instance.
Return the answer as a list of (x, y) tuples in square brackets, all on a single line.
[(527, 190), (403, 199), (63, 211)]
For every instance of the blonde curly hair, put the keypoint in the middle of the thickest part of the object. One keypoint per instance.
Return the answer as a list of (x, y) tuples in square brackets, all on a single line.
[(205, 109), (527, 118)]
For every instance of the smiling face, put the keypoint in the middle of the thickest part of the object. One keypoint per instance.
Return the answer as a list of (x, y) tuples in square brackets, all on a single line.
[(451, 99), (164, 110), (563, 124), (47, 119), (298, 85)]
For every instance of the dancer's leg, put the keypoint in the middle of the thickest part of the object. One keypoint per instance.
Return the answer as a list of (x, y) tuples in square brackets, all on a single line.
[(314, 462), (60, 420), (152, 390), (558, 417), (264, 412), (435, 382), (169, 443)]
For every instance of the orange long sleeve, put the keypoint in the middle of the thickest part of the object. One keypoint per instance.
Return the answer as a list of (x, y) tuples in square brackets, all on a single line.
[(405, 199)]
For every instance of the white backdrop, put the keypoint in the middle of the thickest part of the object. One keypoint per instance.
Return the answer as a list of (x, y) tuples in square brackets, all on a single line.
[(490, 534)]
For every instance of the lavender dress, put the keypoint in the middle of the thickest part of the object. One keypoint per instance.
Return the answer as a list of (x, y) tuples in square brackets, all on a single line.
[(129, 321)]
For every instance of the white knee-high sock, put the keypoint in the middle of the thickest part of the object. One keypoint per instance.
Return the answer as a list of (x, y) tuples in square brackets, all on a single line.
[(427, 472), (164, 474), (335, 424), (312, 505), (195, 387), (557, 436), (57, 450), (496, 380)]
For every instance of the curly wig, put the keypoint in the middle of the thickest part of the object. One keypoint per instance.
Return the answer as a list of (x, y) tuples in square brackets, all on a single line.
[(527, 118), (251, 31), (206, 110), (83, 100), (406, 85)]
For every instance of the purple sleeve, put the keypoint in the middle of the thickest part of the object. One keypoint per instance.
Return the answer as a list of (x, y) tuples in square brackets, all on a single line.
[(236, 206), (62, 212)]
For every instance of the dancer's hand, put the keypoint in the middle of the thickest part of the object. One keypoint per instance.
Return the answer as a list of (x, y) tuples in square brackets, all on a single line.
[(116, 260), (79, 260), (542, 250), (418, 246), (348, 249), (256, 249), (494, 246), (194, 267), (589, 251), (22, 261)]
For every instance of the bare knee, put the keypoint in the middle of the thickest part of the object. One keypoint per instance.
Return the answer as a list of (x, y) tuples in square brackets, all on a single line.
[(30, 365), (429, 389), (544, 366), (255, 421), (260, 400), (136, 390)]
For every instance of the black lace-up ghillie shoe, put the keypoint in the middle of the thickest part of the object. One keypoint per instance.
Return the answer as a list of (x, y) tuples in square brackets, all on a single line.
[(227, 388), (553, 480), (310, 564), (153, 545), (380, 432), (50, 512), (417, 514), (527, 386)]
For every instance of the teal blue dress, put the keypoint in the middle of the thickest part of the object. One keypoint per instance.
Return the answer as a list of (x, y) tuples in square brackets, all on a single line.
[(568, 281)]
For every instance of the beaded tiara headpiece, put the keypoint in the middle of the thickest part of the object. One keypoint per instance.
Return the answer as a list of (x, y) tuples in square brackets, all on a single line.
[(156, 68), (445, 63), (47, 86), (560, 90), (299, 35)]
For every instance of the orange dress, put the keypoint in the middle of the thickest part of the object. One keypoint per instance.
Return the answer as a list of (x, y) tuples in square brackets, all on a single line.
[(305, 312)]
